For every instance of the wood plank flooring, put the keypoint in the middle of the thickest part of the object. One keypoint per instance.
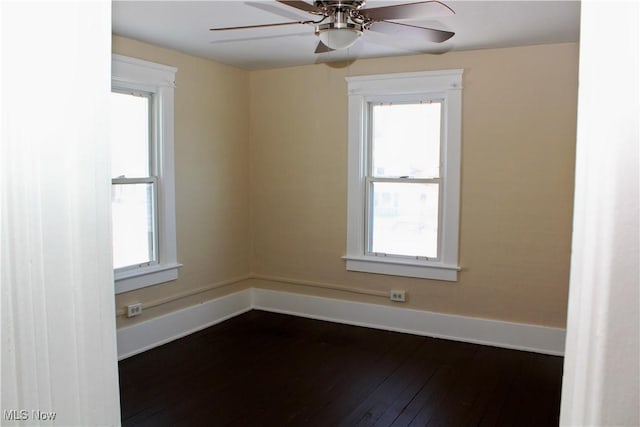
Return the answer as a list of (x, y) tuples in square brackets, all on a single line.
[(266, 369)]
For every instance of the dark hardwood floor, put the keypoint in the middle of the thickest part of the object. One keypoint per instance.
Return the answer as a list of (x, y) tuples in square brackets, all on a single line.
[(265, 369)]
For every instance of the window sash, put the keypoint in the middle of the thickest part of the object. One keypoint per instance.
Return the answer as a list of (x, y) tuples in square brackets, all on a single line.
[(369, 213), (370, 177), (151, 124), (154, 238), (151, 179), (400, 100)]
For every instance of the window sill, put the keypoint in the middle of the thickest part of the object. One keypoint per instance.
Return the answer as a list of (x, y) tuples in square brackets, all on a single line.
[(126, 281), (406, 268)]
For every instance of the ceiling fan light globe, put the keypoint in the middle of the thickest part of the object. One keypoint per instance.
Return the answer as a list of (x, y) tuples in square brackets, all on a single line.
[(339, 38)]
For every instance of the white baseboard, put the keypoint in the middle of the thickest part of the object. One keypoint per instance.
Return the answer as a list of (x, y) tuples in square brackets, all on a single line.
[(518, 336), (160, 330)]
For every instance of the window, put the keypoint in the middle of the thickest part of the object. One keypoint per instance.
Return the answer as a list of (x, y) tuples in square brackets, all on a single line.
[(404, 174), (134, 184), (142, 192)]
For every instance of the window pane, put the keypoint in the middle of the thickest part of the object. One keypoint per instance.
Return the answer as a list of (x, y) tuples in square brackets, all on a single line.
[(405, 219), (129, 135), (406, 140), (133, 224)]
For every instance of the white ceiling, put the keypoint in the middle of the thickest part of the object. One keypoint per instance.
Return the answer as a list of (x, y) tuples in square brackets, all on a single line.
[(478, 24)]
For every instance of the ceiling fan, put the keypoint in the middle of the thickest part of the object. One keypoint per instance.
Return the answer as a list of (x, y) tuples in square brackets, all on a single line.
[(340, 23)]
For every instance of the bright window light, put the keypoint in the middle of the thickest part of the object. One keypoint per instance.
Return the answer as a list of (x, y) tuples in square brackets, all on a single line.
[(129, 135), (133, 200), (404, 180), (406, 140), (405, 219), (133, 224)]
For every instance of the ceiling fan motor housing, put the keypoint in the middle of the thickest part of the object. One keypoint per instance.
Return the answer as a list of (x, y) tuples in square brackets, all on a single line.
[(340, 33), (329, 5)]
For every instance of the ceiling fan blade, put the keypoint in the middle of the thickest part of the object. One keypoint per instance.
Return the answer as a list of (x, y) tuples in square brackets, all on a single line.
[(298, 4), (425, 9), (398, 29), (322, 48), (246, 27), (276, 9), (257, 38)]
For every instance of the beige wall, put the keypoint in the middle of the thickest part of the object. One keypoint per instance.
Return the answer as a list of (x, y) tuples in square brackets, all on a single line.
[(261, 181), (212, 177), (519, 117)]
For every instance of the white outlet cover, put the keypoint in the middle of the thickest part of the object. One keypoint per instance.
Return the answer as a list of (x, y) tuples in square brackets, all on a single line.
[(134, 310)]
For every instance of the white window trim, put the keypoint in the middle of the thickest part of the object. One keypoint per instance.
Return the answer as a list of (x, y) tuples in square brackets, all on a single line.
[(445, 85), (158, 79)]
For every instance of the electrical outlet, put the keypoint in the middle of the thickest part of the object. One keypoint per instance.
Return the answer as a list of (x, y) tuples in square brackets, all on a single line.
[(397, 295), (134, 309)]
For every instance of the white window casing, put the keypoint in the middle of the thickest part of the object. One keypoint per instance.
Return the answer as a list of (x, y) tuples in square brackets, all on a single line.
[(443, 86), (131, 74)]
